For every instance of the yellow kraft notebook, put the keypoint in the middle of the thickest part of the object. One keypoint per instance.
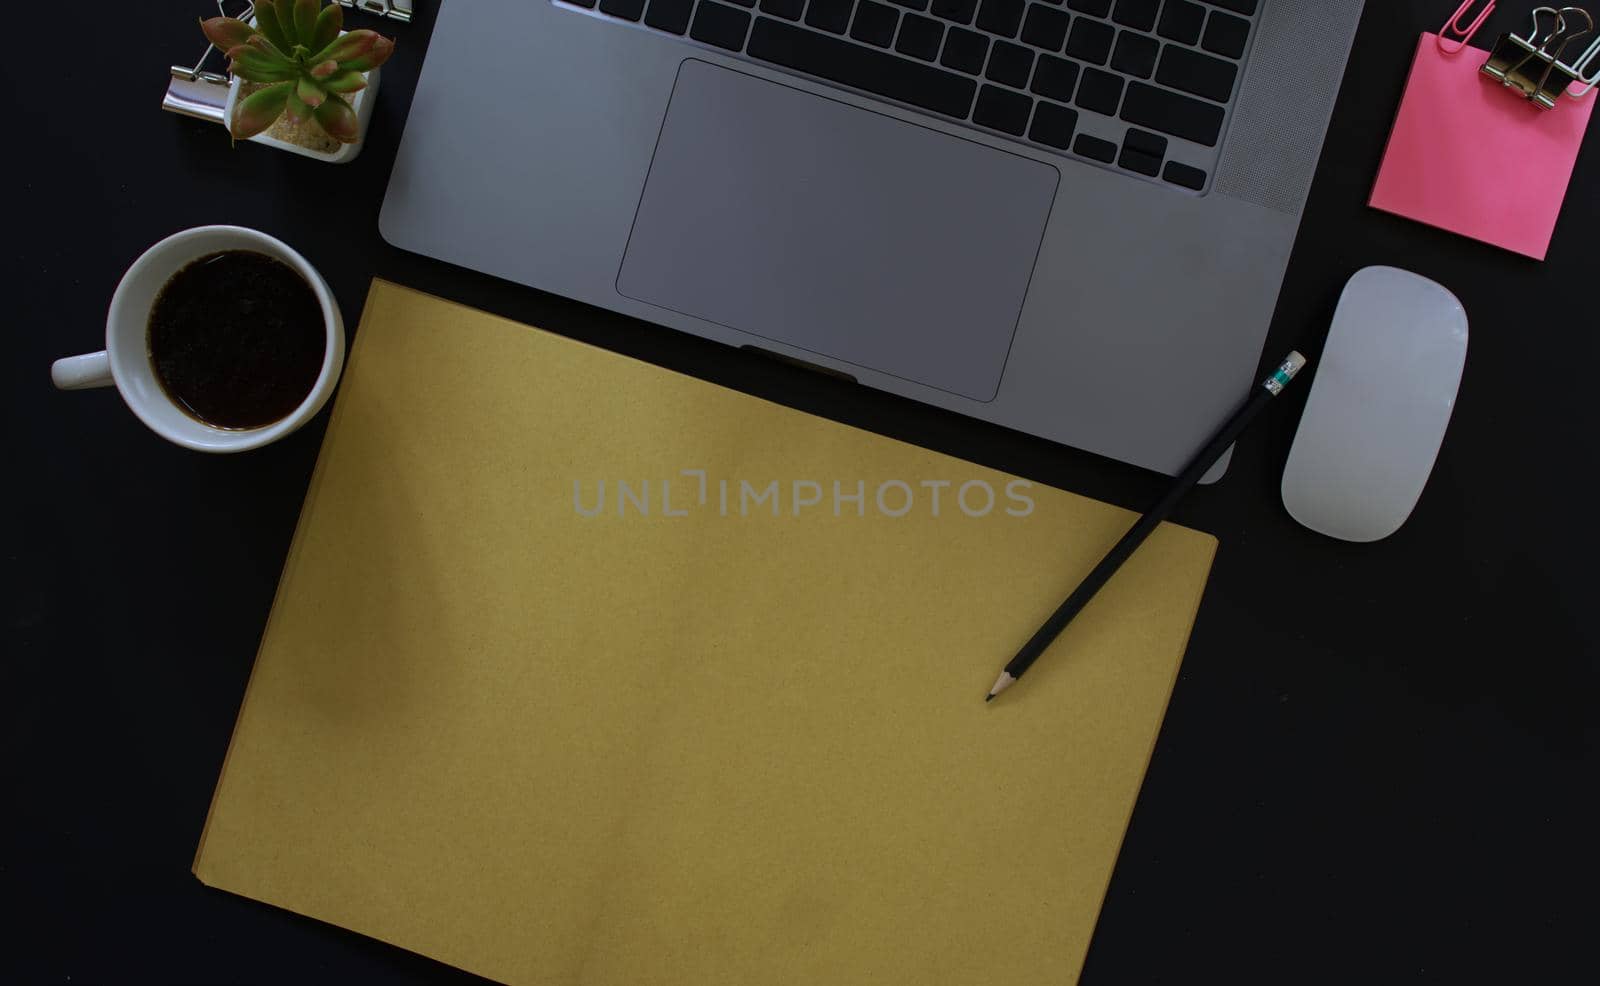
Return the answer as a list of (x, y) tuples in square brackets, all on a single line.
[(584, 672)]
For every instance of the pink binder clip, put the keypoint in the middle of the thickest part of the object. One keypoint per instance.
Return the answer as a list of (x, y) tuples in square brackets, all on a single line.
[(1453, 37)]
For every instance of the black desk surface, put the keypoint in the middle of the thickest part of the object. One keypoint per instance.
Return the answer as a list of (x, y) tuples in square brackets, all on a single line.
[(1378, 762)]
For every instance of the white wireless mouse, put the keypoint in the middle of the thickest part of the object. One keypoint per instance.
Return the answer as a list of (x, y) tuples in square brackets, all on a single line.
[(1379, 405)]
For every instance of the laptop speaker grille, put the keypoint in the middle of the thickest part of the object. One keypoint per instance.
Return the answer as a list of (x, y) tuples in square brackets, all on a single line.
[(1276, 135)]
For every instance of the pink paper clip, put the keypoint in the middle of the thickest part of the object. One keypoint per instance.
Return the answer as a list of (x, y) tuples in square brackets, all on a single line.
[(1453, 37)]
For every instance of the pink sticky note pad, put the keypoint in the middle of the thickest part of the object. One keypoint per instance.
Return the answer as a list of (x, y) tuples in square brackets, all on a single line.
[(1468, 156)]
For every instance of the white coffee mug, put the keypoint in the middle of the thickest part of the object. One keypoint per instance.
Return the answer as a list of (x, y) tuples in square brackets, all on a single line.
[(125, 362)]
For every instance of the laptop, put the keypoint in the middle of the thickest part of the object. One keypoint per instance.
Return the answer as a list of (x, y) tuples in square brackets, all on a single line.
[(1070, 218)]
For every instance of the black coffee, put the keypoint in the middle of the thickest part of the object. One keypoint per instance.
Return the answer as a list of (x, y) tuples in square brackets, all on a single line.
[(237, 339)]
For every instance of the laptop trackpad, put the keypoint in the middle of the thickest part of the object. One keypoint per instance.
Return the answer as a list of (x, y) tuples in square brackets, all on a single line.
[(837, 230)]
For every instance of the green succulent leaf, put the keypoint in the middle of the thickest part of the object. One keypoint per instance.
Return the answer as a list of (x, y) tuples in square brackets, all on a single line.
[(345, 82), (305, 21), (329, 23), (346, 46), (339, 121), (263, 44), (254, 65), (379, 53), (226, 32), (257, 111), (269, 22), (324, 70), (295, 108), (309, 93)]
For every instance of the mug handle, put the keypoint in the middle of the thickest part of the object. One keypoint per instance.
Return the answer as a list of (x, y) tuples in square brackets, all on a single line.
[(82, 372)]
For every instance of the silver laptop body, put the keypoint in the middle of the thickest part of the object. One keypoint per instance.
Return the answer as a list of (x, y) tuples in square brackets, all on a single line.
[(956, 236)]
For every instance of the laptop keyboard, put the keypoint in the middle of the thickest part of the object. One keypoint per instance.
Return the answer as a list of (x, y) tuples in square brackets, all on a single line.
[(1113, 81)]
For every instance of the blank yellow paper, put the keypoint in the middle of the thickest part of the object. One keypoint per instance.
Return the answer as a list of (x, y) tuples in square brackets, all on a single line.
[(691, 750)]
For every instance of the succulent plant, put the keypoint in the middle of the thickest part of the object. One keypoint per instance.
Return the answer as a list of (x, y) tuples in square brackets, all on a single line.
[(308, 67)]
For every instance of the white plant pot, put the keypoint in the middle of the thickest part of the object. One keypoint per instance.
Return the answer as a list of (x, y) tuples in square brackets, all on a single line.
[(362, 102)]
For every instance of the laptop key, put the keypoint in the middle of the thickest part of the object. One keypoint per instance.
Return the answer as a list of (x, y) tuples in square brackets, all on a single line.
[(722, 26), (850, 64), (959, 11), (1226, 35), (1003, 110), (787, 9), (628, 10), (1182, 174), (1053, 124), (1245, 7), (919, 37), (1100, 91), (1135, 54), (744, 3), (1195, 73), (1001, 17), (1090, 41), (1137, 14), (911, 4), (1094, 8), (1137, 160), (669, 15), (874, 23), (1010, 63), (830, 15), (1172, 113), (1144, 140), (1045, 27), (964, 50), (1181, 21), (1055, 77), (1093, 147)]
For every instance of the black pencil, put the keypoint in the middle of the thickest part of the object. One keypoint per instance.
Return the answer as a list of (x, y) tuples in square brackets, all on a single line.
[(1270, 388)]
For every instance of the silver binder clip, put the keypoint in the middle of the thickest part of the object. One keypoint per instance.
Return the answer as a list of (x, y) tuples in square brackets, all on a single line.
[(1533, 65), (397, 10), (1588, 69), (196, 91)]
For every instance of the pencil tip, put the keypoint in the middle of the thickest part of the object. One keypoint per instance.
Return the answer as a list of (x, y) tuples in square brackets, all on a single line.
[(989, 697), (1001, 684)]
